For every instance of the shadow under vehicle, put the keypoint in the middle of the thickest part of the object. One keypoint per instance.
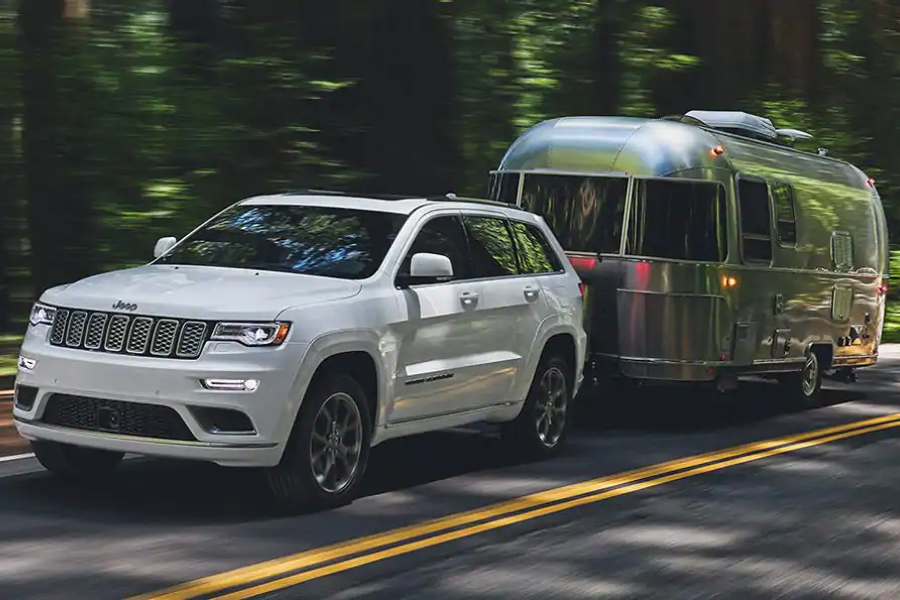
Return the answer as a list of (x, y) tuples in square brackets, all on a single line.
[(710, 246)]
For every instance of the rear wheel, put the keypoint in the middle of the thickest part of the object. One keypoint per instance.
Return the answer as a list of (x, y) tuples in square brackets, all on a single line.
[(75, 462), (805, 387), (541, 429), (328, 451)]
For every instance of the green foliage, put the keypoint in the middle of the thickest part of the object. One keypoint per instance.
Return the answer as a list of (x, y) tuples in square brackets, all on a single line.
[(160, 132), (7, 365), (644, 58), (891, 331)]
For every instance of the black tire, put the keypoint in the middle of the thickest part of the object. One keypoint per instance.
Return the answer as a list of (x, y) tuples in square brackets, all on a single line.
[(76, 462), (804, 388), (293, 481), (523, 435)]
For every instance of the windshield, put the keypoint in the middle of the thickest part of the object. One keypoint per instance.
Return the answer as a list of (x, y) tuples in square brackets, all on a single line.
[(310, 240)]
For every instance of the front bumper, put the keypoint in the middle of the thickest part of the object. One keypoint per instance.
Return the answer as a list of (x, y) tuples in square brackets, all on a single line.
[(223, 453), (88, 379)]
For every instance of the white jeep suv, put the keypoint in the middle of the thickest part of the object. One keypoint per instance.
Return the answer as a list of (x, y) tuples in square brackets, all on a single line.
[(293, 332)]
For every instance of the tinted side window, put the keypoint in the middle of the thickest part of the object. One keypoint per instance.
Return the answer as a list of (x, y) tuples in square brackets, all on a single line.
[(584, 213), (535, 253), (786, 219), (491, 247), (442, 235), (681, 220), (756, 234)]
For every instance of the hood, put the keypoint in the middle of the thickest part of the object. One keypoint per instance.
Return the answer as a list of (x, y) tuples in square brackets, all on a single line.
[(192, 292)]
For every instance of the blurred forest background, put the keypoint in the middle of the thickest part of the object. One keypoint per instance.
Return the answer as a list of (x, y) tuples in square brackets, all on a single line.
[(125, 120)]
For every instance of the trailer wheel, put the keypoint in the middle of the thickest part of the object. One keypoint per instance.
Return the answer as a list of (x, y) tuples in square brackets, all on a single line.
[(805, 386)]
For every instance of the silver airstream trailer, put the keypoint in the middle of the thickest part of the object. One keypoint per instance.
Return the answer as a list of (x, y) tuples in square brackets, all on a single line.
[(710, 247)]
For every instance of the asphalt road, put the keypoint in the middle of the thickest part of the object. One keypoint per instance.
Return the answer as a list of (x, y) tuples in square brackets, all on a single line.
[(811, 514)]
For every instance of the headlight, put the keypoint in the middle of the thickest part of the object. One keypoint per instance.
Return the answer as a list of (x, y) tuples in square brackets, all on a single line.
[(252, 334), (41, 314)]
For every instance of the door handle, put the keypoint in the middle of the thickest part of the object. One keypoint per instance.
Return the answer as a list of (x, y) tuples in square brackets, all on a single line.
[(530, 292), (468, 298)]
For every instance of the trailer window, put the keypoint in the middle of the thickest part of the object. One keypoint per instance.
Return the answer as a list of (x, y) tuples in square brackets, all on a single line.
[(503, 187), (584, 213), (785, 216), (756, 220), (682, 220)]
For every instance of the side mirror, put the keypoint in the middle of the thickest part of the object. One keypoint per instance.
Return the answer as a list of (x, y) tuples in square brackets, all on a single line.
[(163, 245), (427, 268)]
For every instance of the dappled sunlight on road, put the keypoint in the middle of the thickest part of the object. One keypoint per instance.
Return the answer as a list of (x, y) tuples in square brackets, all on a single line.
[(756, 532), (820, 519)]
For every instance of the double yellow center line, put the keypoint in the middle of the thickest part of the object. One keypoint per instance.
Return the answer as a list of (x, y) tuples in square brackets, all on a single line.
[(292, 570)]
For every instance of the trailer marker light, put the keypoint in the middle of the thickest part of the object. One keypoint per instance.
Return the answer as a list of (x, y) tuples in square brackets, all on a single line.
[(581, 289), (870, 182), (718, 150), (729, 282)]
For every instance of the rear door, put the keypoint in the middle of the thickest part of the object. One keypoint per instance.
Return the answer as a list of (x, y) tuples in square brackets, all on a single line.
[(440, 335), (513, 304)]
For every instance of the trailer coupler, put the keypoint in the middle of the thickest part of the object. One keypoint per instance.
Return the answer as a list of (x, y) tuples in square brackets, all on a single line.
[(843, 375)]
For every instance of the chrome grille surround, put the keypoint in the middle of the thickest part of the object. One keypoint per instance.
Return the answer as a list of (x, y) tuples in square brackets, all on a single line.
[(75, 330), (115, 335), (139, 335), (58, 331), (193, 336), (93, 340), (164, 337), (136, 335)]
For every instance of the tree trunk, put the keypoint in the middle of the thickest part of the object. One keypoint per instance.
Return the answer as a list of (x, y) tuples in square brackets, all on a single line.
[(407, 89), (9, 208), (59, 217)]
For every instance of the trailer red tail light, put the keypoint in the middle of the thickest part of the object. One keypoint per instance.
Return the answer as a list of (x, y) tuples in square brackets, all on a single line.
[(583, 262)]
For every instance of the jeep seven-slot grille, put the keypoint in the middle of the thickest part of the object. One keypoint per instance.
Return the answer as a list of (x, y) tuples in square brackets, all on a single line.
[(126, 334), (114, 416)]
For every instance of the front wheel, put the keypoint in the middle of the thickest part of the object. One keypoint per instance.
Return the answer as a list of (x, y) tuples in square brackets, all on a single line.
[(541, 429), (328, 451), (75, 462)]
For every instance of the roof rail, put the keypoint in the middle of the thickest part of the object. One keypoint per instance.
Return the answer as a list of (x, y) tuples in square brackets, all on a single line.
[(319, 192), (454, 198)]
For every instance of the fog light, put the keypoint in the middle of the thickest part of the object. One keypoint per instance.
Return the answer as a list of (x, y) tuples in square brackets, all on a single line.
[(27, 364), (231, 385)]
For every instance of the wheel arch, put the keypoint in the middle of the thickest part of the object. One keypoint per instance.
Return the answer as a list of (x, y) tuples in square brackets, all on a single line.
[(558, 336), (350, 351), (824, 352)]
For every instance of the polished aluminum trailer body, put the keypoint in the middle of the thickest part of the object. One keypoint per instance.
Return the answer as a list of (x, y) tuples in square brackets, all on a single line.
[(789, 253)]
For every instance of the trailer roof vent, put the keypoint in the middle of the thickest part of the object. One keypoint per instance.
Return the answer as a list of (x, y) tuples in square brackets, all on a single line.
[(744, 125), (738, 123)]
